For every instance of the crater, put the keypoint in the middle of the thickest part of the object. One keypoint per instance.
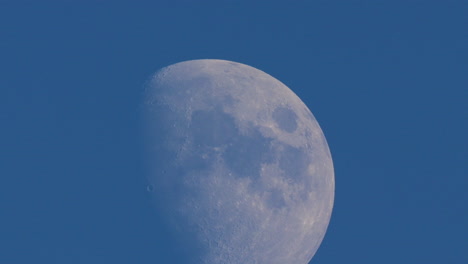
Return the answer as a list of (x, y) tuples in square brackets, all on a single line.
[(150, 188), (285, 118)]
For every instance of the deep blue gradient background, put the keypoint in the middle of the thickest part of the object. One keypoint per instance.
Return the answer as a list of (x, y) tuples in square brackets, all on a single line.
[(387, 81)]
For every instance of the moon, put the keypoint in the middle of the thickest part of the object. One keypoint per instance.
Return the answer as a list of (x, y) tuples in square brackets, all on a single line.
[(238, 167)]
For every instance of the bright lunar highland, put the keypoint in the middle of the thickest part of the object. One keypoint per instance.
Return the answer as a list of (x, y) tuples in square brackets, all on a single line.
[(239, 168)]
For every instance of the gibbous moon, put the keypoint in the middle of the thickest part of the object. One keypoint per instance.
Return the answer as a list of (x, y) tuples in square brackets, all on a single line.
[(239, 168)]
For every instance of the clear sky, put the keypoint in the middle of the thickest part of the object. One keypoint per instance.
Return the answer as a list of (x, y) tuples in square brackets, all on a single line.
[(387, 81)]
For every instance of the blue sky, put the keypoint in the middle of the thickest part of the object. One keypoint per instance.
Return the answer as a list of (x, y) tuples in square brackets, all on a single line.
[(387, 81)]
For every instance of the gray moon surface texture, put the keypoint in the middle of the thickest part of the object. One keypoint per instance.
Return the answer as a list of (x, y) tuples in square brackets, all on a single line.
[(239, 168)]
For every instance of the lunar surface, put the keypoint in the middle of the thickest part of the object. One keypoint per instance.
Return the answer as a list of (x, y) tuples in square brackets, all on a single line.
[(239, 168)]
